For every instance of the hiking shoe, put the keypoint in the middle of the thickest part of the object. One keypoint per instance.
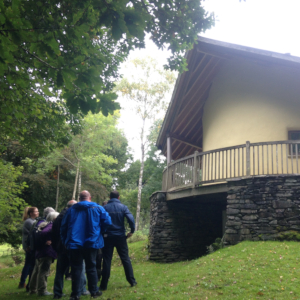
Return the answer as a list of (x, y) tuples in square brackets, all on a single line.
[(102, 289), (58, 297), (45, 294), (21, 285), (74, 298), (96, 295), (86, 293), (134, 284)]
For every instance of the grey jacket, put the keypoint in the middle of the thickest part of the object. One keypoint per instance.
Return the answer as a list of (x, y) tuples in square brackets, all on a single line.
[(25, 231)]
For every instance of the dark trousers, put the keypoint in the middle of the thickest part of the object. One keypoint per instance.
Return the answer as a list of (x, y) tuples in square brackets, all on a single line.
[(121, 244), (76, 257), (63, 263), (28, 266), (61, 266), (99, 263)]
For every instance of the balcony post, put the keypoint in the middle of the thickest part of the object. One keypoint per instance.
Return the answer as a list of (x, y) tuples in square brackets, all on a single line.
[(248, 158), (195, 169), (169, 149)]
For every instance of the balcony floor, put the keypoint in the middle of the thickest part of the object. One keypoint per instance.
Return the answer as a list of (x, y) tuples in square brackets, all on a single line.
[(209, 189)]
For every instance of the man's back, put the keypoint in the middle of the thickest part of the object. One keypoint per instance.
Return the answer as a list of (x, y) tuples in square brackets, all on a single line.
[(83, 224), (118, 212)]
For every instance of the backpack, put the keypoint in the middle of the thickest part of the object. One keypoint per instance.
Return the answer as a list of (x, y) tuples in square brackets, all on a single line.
[(33, 239)]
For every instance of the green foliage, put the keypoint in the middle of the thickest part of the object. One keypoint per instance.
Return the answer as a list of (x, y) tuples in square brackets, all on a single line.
[(70, 51), (102, 151), (138, 236), (11, 205), (289, 236), (217, 245)]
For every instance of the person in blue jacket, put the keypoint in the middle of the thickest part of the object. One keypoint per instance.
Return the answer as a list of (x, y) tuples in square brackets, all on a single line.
[(81, 233), (115, 236)]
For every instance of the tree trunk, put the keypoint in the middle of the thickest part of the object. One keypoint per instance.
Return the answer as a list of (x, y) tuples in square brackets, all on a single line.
[(57, 189), (76, 179), (79, 183), (138, 205)]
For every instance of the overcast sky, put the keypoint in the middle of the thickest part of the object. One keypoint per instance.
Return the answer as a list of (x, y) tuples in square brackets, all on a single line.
[(265, 24)]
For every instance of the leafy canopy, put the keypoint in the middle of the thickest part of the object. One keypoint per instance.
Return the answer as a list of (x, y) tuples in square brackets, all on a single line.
[(70, 51)]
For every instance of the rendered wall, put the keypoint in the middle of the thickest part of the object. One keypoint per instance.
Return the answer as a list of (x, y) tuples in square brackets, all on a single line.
[(251, 102)]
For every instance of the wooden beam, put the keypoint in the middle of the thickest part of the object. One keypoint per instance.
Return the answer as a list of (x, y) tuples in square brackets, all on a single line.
[(169, 149), (184, 140), (198, 94), (184, 115), (207, 70)]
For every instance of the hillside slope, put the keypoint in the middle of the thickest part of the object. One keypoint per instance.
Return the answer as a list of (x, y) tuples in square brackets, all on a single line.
[(249, 270)]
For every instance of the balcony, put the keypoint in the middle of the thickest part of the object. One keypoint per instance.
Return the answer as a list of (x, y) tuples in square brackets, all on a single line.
[(241, 161)]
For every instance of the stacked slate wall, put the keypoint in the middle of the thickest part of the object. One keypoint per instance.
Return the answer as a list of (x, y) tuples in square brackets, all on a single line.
[(182, 229), (261, 208)]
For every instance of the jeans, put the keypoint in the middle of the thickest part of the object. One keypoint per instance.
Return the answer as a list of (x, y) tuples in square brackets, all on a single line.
[(28, 266), (121, 244), (62, 265), (77, 258)]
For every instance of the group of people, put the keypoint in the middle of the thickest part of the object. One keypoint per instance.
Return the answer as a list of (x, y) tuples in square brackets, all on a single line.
[(83, 235)]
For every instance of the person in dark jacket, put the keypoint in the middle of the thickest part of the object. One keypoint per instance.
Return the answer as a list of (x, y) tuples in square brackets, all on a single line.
[(29, 217), (45, 255), (32, 284), (80, 232), (115, 236)]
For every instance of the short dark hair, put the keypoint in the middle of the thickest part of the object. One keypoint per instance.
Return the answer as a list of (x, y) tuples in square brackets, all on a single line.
[(114, 194)]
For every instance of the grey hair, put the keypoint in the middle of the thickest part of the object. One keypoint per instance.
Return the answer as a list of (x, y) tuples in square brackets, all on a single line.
[(52, 216), (47, 210)]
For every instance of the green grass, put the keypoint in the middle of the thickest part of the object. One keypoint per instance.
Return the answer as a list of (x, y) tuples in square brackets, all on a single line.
[(249, 270)]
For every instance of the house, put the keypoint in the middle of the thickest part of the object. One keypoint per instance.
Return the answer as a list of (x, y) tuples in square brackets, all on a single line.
[(231, 136)]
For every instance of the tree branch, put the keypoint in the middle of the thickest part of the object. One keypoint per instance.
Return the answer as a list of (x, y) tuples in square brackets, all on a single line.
[(39, 59)]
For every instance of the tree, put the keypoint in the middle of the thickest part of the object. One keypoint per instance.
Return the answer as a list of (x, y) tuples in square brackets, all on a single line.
[(147, 88), (152, 178), (11, 205), (95, 155), (71, 50)]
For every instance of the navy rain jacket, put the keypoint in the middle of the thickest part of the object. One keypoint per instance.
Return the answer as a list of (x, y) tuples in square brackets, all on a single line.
[(83, 226), (118, 212)]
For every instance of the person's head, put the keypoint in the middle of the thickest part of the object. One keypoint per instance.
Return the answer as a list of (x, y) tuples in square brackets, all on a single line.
[(52, 216), (104, 203), (30, 212), (114, 194), (85, 196), (47, 211), (71, 203)]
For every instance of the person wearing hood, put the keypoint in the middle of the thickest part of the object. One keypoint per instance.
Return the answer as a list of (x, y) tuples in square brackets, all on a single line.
[(45, 255), (32, 284), (81, 232)]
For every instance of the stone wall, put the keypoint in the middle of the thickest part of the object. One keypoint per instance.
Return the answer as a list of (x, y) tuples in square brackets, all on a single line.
[(261, 208), (182, 229)]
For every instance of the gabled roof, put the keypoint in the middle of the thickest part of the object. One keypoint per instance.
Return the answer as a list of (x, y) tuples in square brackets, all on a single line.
[(183, 120)]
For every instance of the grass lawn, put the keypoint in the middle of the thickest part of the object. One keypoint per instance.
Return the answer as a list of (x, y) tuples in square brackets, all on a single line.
[(249, 270)]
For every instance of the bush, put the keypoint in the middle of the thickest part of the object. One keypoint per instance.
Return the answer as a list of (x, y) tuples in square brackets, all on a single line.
[(218, 244), (138, 236)]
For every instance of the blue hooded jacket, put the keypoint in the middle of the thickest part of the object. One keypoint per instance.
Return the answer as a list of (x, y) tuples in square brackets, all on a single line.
[(118, 212), (83, 225)]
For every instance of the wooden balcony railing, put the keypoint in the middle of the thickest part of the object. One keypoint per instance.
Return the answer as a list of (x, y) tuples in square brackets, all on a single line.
[(250, 159)]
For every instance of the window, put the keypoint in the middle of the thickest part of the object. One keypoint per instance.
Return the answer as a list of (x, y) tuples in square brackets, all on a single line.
[(295, 135)]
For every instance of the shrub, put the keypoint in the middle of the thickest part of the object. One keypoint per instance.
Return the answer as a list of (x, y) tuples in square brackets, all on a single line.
[(138, 236)]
